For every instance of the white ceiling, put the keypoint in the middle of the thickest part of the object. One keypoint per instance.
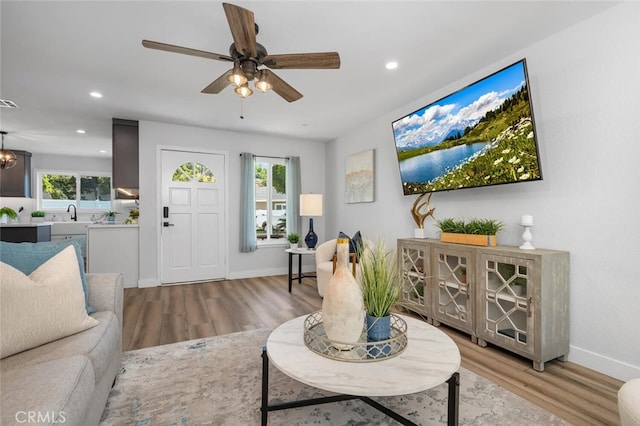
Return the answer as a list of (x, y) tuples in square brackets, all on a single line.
[(54, 53)]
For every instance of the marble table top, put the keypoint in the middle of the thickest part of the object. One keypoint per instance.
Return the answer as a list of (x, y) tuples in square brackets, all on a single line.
[(430, 358), (300, 250)]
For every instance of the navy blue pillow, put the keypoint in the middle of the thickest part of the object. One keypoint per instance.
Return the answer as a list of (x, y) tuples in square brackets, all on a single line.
[(354, 243), (27, 257)]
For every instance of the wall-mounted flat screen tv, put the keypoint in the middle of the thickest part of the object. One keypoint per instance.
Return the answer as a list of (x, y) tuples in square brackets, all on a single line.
[(483, 134)]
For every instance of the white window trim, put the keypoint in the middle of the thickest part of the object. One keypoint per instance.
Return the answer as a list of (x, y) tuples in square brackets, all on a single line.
[(40, 172)]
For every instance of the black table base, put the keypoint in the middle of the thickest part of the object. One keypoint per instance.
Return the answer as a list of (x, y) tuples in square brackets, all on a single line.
[(452, 407), (300, 274)]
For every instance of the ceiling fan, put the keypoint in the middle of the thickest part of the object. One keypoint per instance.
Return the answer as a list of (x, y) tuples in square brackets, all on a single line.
[(248, 56)]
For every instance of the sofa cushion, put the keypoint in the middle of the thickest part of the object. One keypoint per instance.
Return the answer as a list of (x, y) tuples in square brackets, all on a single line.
[(57, 391), (46, 305), (97, 343), (27, 257)]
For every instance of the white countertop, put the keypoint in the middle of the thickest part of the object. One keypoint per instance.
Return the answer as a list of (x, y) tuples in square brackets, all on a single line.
[(24, 224), (114, 226)]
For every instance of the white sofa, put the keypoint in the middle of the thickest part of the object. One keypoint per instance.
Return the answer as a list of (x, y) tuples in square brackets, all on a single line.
[(324, 264)]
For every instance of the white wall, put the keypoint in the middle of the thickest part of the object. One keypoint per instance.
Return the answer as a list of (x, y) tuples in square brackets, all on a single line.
[(586, 98), (264, 261)]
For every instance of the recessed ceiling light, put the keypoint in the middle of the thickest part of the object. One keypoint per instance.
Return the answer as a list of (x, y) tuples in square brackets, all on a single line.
[(96, 94), (82, 132), (391, 65), (103, 151)]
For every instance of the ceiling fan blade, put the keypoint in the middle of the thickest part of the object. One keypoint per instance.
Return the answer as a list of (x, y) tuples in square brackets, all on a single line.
[(185, 50), (282, 88), (219, 84), (321, 60), (243, 28)]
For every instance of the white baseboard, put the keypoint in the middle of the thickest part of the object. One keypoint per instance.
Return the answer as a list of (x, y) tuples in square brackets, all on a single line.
[(605, 365), (149, 282)]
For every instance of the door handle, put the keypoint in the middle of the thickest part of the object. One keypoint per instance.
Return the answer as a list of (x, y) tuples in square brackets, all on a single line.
[(167, 224)]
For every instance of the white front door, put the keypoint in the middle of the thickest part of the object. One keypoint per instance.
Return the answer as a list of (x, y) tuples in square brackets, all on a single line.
[(193, 205)]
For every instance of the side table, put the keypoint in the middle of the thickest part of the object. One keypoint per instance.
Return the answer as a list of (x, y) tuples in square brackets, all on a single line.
[(300, 252)]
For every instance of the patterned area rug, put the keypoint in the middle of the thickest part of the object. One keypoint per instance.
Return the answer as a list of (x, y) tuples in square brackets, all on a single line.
[(217, 381)]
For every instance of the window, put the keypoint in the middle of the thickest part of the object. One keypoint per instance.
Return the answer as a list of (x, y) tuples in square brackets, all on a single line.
[(271, 200), (88, 191), (193, 171)]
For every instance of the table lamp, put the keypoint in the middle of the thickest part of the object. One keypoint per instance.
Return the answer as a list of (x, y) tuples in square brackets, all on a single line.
[(311, 205)]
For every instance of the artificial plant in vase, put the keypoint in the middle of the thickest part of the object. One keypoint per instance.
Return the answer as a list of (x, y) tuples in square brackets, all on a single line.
[(380, 291), (7, 212), (293, 239)]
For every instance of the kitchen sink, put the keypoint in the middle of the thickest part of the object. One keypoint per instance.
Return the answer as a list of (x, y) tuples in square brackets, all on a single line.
[(69, 228)]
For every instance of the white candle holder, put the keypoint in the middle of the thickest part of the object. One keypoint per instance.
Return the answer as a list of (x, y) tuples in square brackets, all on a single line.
[(527, 237)]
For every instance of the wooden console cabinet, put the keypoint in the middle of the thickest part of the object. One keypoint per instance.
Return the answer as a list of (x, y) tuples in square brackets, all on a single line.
[(512, 298)]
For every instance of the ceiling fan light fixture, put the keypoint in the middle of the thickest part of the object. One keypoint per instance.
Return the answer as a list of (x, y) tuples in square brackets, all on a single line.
[(244, 91), (237, 77), (7, 158), (262, 84)]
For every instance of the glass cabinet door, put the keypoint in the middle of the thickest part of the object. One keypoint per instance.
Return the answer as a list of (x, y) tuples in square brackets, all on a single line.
[(507, 301), (453, 296), (415, 290)]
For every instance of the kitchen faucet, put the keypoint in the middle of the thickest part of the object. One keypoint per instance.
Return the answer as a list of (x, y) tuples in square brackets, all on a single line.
[(74, 216)]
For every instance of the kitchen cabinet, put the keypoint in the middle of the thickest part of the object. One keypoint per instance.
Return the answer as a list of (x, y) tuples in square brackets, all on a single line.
[(25, 233), (125, 158), (16, 181), (114, 248)]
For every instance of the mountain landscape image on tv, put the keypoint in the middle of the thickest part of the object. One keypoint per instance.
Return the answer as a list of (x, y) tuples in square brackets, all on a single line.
[(481, 135)]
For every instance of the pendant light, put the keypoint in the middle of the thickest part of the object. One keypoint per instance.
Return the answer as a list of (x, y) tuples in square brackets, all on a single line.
[(7, 158)]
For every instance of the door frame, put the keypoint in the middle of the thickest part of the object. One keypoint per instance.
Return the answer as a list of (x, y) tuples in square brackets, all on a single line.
[(158, 214)]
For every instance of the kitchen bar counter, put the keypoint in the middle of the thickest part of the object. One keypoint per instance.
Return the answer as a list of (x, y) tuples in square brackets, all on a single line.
[(24, 224), (18, 232)]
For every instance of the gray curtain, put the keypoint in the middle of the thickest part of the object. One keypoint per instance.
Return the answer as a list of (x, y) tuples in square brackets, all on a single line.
[(248, 240), (293, 195)]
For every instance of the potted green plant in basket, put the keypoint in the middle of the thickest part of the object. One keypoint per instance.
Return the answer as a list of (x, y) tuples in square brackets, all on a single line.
[(477, 232), (7, 213), (293, 239), (380, 291)]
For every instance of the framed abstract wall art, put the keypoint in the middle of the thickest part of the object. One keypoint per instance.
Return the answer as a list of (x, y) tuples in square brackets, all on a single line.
[(359, 177)]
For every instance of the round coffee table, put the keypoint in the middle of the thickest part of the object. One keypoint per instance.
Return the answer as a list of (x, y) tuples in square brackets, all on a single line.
[(430, 359)]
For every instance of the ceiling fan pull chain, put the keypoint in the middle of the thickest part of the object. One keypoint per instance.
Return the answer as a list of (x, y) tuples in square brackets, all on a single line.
[(241, 104)]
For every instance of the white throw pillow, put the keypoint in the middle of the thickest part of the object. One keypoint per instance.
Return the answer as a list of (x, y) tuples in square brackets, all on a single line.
[(45, 306)]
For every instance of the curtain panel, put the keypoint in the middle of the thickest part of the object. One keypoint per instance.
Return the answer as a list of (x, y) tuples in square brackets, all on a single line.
[(248, 239)]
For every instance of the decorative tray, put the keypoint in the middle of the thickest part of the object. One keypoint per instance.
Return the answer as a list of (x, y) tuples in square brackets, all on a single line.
[(316, 340)]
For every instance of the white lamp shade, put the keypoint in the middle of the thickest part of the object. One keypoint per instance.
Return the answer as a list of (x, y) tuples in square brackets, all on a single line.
[(310, 204)]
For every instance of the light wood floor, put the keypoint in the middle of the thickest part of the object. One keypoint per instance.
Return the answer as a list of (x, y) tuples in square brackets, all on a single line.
[(161, 315)]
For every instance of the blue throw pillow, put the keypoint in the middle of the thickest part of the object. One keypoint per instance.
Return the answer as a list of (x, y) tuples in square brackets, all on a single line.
[(354, 243), (27, 257)]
